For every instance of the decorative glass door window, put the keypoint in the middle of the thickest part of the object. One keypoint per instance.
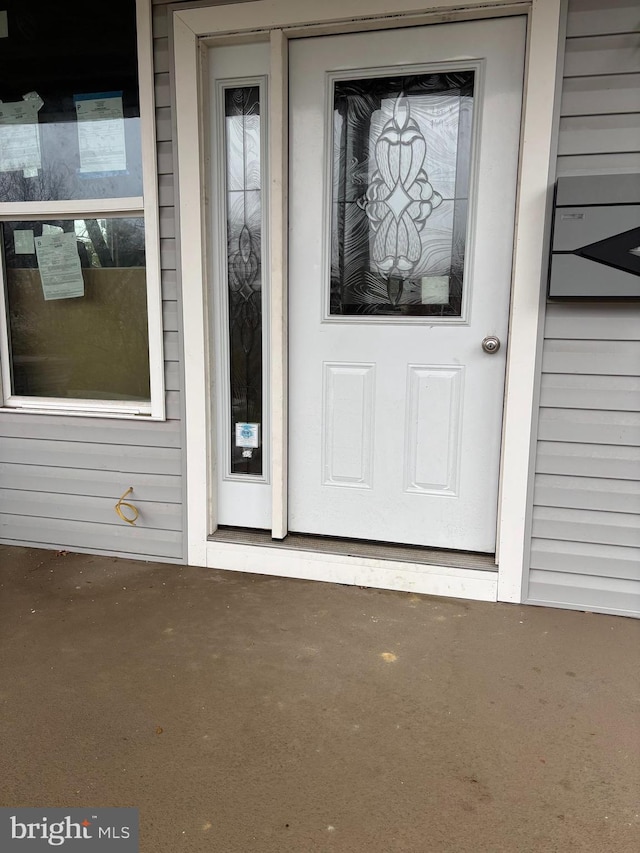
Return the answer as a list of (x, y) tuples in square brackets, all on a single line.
[(401, 166), (242, 145)]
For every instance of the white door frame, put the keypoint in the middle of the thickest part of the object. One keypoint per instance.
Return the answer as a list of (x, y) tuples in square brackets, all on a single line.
[(193, 30)]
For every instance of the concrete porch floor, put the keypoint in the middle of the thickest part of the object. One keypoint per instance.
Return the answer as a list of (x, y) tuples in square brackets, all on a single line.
[(248, 714)]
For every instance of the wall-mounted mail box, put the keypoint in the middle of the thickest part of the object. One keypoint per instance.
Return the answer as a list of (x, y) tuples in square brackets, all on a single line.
[(595, 250)]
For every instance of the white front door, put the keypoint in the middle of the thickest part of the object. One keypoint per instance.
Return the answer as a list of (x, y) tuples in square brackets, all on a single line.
[(404, 155)]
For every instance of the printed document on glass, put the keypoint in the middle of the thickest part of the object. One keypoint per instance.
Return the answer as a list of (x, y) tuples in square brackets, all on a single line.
[(23, 241), (101, 141), (59, 264), (20, 137)]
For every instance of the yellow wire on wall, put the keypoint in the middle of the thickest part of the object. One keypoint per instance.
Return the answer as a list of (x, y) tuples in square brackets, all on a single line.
[(122, 503)]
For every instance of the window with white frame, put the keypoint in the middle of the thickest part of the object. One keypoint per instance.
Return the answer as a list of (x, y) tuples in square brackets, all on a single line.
[(81, 308)]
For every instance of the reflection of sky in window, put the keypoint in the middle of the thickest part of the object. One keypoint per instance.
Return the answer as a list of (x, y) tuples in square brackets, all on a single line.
[(81, 228), (437, 116), (243, 152)]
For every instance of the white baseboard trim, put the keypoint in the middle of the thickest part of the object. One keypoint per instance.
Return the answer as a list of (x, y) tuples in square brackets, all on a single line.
[(354, 570)]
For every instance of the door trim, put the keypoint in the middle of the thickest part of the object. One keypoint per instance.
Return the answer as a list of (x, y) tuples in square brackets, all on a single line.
[(192, 30)]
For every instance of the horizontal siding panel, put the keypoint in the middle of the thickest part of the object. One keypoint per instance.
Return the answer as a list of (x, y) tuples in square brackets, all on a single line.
[(600, 17), (173, 405), (167, 227), (161, 55), (170, 316), (550, 555), (617, 597), (595, 493), (165, 158), (596, 357), (597, 164), (164, 127), (609, 54), (69, 481), (588, 460), (171, 346), (168, 256), (590, 321), (160, 23), (162, 90), (169, 285), (595, 134), (172, 376), (613, 93), (589, 426), (572, 391), (139, 433), (577, 525), (95, 510), (111, 538), (102, 457), (585, 547), (165, 191)]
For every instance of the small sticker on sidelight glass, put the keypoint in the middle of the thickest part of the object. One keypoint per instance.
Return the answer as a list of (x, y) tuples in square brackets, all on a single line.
[(247, 435)]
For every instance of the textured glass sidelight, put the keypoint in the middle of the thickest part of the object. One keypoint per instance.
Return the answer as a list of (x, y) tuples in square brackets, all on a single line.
[(401, 163), (244, 268)]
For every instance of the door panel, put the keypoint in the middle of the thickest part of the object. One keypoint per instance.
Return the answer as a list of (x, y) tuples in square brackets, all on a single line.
[(403, 157)]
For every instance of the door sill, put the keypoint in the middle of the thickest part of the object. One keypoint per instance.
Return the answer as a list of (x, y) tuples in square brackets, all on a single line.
[(358, 548), (299, 557)]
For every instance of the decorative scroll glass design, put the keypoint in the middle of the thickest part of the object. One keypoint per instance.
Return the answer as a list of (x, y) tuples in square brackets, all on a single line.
[(244, 269), (401, 164)]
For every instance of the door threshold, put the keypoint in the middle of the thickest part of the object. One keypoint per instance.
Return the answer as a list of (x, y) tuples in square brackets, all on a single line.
[(358, 548)]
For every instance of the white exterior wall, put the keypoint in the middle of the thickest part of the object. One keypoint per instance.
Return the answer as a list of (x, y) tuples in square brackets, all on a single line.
[(585, 549)]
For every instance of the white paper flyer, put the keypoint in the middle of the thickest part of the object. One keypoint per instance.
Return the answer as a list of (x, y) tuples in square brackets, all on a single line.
[(20, 137), (101, 139), (59, 263)]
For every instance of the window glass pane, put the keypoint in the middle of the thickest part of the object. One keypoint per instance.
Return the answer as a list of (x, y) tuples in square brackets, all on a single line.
[(70, 116), (77, 308), (244, 274), (401, 158)]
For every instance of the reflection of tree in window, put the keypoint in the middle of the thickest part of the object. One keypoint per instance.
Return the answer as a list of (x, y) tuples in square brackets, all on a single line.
[(94, 346), (52, 49)]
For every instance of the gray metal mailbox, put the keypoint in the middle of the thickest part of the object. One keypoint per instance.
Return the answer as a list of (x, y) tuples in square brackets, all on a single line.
[(595, 250)]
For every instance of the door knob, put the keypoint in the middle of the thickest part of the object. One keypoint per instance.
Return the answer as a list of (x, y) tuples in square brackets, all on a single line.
[(491, 344)]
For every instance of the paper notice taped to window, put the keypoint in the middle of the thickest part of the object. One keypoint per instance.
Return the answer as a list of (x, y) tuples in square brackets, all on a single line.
[(101, 139), (23, 241), (435, 290), (20, 137), (59, 264)]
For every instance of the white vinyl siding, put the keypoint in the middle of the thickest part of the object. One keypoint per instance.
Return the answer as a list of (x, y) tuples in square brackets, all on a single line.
[(585, 550)]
